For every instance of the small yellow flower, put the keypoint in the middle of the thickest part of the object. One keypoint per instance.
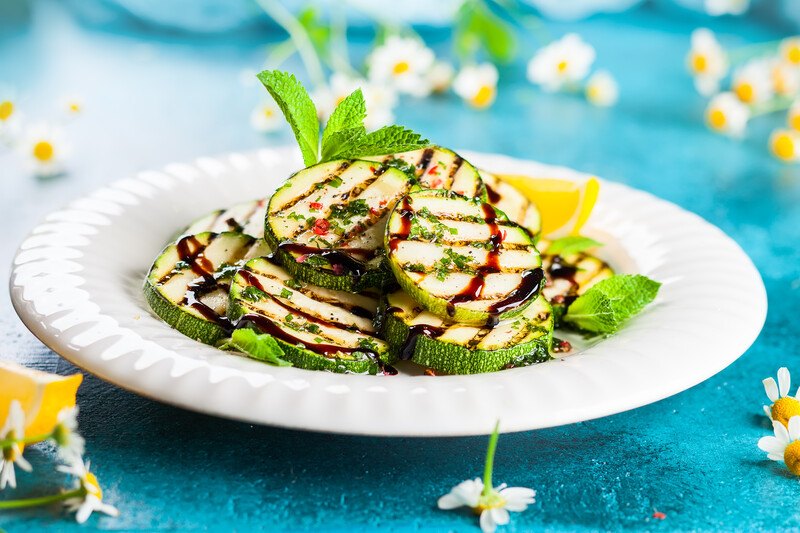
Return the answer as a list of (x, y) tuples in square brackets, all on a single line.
[(562, 62), (726, 114), (790, 50), (266, 117), (477, 85), (784, 445), (785, 145), (793, 116), (752, 83), (602, 89), (706, 61)]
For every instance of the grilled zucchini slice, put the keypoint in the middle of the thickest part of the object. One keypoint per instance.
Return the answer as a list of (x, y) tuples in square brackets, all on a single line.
[(318, 328), (327, 222), (461, 259), (452, 348), (439, 168), (246, 217), (187, 285), (569, 276), (513, 203)]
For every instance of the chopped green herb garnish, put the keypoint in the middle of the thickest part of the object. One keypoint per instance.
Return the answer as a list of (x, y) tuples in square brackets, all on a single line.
[(293, 283), (253, 294), (415, 267), (367, 344), (285, 293), (345, 213), (295, 216), (311, 328), (226, 271), (336, 182), (181, 265)]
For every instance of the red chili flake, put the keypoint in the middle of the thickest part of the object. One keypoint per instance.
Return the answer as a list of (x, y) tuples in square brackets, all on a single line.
[(321, 226), (658, 515), (435, 184), (374, 212), (338, 269), (565, 346), (315, 205), (434, 170), (301, 258), (372, 169), (383, 203)]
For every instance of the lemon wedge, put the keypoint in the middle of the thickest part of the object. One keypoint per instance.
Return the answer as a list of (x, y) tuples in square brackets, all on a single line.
[(42, 395), (564, 205)]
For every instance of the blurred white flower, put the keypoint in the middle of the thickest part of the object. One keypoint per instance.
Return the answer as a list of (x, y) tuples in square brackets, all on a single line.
[(9, 115), (562, 62), (706, 61), (789, 50), (785, 78), (726, 7), (266, 117), (793, 116), (14, 430), (477, 84), (380, 99), (726, 114), (602, 89), (440, 76), (403, 64), (72, 105), (785, 145), (45, 148), (752, 83), (92, 499), (70, 444)]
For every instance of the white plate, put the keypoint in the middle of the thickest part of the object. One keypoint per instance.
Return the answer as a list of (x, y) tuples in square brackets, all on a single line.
[(76, 283)]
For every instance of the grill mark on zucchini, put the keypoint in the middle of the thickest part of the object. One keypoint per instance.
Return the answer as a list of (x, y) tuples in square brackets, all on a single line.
[(451, 177), (344, 165)]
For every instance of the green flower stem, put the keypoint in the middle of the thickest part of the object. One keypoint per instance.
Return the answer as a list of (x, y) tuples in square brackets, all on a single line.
[(302, 41), (744, 53), (339, 58), (42, 500), (771, 106), (5, 443), (489, 467)]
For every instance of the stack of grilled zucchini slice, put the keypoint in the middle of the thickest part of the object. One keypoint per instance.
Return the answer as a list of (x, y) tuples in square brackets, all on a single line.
[(352, 265)]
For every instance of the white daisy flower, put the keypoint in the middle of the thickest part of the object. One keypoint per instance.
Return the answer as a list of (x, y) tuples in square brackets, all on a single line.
[(784, 446), (602, 89), (726, 7), (706, 61), (785, 145), (752, 83), (785, 78), (45, 148), (14, 430), (9, 115), (91, 499), (783, 405), (379, 99), (70, 444), (789, 50), (72, 105), (793, 116), (726, 114), (403, 64), (562, 62), (477, 84), (440, 76), (266, 117)]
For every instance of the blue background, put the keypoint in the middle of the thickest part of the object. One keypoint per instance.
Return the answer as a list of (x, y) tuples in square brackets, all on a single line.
[(156, 97)]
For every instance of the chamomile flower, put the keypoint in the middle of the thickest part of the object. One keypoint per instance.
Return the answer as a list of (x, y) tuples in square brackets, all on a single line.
[(785, 145), (266, 117), (602, 89), (726, 7), (783, 406), (752, 83), (91, 495), (45, 148), (403, 64), (379, 99), (793, 116), (440, 76), (491, 503), (785, 78), (70, 444), (72, 105), (706, 61), (789, 50), (562, 62), (14, 430), (477, 84), (784, 446), (726, 114), (9, 115)]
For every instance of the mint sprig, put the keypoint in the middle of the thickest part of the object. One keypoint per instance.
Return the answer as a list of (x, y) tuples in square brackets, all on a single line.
[(571, 244), (345, 136), (612, 302), (262, 347)]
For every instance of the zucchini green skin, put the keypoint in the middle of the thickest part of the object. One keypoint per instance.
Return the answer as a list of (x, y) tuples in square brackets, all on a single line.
[(192, 326), (245, 217), (382, 186), (447, 357), (241, 308), (436, 167), (513, 203), (418, 278)]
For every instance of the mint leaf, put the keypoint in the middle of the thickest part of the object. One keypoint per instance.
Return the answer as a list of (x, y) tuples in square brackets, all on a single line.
[(345, 125), (387, 140), (298, 108), (262, 347), (610, 303), (572, 244)]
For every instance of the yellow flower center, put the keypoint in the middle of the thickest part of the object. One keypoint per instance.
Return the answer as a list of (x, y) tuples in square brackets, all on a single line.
[(400, 67), (74, 107), (745, 92), (92, 486), (43, 151), (791, 456), (562, 66), (6, 110), (786, 407), (699, 63), (484, 96), (794, 121), (717, 119), (268, 112), (793, 54), (493, 500)]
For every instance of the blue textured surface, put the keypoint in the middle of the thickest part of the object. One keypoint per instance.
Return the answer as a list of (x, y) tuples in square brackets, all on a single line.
[(151, 99)]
